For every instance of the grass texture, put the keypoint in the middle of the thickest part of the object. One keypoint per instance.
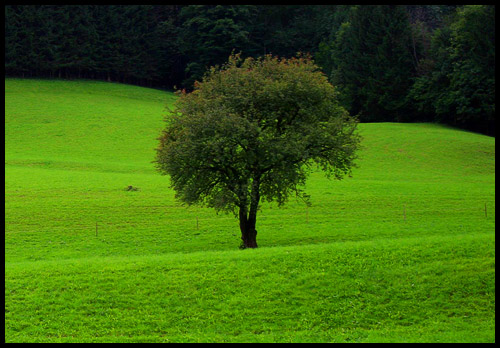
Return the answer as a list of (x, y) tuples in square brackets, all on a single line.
[(403, 251)]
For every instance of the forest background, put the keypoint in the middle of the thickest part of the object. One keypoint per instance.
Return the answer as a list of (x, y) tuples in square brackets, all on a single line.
[(389, 63)]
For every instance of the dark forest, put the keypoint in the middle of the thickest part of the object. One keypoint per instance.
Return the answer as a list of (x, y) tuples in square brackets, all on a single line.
[(389, 63)]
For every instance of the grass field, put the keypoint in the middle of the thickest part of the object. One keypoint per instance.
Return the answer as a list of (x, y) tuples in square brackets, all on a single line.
[(404, 251)]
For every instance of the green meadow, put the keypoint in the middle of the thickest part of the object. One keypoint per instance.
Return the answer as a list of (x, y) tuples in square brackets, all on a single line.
[(402, 251)]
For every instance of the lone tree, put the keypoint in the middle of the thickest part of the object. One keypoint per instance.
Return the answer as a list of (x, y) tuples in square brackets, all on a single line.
[(253, 130)]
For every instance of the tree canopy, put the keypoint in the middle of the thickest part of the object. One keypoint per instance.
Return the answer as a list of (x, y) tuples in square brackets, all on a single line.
[(459, 88), (253, 130), (373, 62)]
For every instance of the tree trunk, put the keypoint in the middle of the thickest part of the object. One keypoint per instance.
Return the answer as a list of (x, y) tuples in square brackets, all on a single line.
[(249, 239), (248, 231), (247, 222)]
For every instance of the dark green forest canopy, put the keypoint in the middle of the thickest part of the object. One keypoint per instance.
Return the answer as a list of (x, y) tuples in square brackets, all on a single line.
[(389, 62)]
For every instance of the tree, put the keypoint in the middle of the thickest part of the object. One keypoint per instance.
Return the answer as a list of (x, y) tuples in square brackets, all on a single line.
[(209, 34), (459, 87), (252, 130), (284, 30), (472, 53), (373, 62), (429, 93)]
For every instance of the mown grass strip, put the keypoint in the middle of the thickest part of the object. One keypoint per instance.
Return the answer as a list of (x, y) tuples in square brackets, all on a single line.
[(411, 289)]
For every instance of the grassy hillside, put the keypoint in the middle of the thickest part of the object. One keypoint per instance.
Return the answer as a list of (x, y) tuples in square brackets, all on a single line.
[(402, 251)]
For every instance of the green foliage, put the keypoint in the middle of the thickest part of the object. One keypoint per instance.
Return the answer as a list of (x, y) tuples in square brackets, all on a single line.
[(460, 87), (429, 93), (373, 62), (210, 33), (251, 129), (160, 45), (323, 55), (118, 43), (472, 52)]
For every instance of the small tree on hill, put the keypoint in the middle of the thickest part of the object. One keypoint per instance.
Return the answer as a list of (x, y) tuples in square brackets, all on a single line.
[(252, 130)]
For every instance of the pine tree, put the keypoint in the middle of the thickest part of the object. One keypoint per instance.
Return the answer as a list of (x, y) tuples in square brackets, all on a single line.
[(373, 62), (209, 34)]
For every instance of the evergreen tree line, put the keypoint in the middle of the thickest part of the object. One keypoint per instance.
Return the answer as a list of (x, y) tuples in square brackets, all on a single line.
[(388, 62)]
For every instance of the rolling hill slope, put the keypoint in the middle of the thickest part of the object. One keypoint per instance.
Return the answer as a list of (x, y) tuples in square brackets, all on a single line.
[(402, 251)]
